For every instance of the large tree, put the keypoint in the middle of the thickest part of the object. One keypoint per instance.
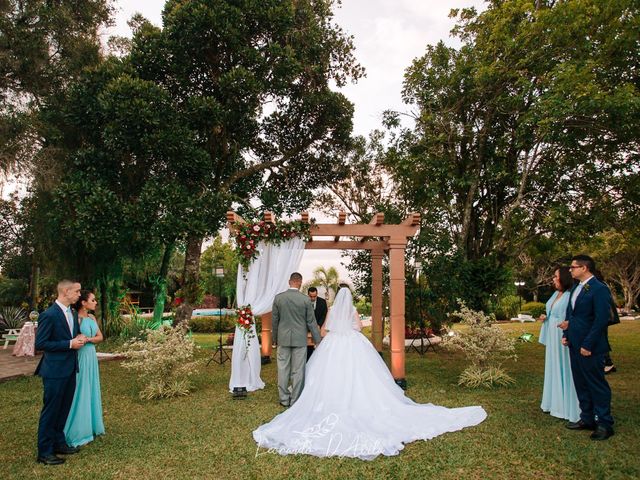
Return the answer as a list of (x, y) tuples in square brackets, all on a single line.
[(252, 79), (43, 46), (227, 103), (523, 130)]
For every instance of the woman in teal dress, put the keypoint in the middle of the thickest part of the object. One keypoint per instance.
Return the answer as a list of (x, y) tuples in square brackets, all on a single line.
[(84, 422), (558, 394)]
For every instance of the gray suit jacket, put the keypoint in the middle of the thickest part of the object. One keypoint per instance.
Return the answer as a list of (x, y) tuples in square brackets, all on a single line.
[(292, 316)]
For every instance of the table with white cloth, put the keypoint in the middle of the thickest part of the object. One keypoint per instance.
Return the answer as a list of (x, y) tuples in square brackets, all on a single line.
[(26, 343)]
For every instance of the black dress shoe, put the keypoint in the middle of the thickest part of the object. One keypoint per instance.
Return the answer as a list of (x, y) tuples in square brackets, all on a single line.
[(51, 460), (285, 405), (601, 433), (66, 450), (580, 425), (239, 393)]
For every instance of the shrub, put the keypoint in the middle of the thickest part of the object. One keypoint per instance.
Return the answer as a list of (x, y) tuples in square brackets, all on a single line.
[(485, 346), (13, 292), (210, 324), (535, 309), (508, 307), (12, 317), (163, 361)]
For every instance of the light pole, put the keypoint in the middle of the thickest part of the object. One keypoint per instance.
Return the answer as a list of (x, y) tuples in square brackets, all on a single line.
[(518, 284), (219, 355)]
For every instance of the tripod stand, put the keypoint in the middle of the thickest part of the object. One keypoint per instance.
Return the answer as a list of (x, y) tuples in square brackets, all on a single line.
[(219, 354)]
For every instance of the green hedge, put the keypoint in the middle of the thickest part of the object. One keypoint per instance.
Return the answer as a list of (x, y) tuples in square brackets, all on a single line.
[(210, 324), (507, 307), (535, 309)]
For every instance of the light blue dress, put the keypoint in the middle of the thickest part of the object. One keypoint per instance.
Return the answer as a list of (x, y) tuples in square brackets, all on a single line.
[(558, 394), (85, 417)]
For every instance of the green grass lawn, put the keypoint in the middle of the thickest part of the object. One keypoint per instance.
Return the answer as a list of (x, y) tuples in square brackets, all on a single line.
[(208, 435)]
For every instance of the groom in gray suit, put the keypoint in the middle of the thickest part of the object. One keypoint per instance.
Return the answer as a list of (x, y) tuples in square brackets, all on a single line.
[(292, 317)]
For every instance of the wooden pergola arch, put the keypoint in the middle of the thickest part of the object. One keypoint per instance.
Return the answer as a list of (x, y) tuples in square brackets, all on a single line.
[(380, 238)]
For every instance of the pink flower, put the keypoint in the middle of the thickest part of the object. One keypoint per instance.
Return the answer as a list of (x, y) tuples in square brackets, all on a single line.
[(256, 228)]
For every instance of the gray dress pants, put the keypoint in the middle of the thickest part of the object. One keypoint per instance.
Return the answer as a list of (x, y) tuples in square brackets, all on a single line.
[(291, 365)]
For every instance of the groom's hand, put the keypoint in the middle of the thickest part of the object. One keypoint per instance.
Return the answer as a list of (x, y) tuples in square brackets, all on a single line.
[(565, 342), (584, 352), (77, 343)]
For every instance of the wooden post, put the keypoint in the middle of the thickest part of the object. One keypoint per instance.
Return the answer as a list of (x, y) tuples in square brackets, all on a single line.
[(266, 337), (396, 293), (376, 299)]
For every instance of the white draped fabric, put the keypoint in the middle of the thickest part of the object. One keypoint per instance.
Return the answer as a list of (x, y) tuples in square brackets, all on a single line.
[(268, 275)]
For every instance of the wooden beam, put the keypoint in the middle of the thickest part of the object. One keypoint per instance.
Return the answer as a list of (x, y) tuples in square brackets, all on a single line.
[(359, 230), (342, 218), (413, 219), (377, 245), (304, 217), (269, 217), (233, 217), (378, 219)]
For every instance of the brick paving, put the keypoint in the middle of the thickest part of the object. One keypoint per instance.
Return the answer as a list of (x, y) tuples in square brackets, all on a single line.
[(13, 367)]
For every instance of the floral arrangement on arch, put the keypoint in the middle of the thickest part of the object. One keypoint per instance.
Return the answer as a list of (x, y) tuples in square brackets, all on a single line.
[(245, 321), (249, 235)]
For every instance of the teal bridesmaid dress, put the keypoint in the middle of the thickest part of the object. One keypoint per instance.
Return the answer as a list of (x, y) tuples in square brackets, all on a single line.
[(559, 396), (84, 422)]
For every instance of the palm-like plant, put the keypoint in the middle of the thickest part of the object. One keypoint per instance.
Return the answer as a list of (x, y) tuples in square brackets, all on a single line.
[(12, 318), (327, 278)]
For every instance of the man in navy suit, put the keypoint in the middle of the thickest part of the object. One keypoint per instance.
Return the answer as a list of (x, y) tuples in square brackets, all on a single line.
[(58, 337), (588, 315)]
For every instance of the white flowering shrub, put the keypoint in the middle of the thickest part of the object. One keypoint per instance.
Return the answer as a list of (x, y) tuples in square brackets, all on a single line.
[(485, 346), (163, 360)]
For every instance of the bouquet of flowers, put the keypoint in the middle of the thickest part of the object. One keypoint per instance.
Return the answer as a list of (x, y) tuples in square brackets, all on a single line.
[(248, 235), (245, 321)]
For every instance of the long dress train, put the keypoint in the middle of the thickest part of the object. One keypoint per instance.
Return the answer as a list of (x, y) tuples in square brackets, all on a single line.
[(351, 406)]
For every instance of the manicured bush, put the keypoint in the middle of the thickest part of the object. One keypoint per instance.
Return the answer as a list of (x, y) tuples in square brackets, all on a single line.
[(535, 309), (210, 324)]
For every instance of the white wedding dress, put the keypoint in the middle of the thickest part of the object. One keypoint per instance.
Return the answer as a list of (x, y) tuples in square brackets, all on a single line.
[(351, 406)]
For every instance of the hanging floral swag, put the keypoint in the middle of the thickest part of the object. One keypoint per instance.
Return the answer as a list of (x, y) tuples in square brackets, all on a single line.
[(245, 321), (248, 235)]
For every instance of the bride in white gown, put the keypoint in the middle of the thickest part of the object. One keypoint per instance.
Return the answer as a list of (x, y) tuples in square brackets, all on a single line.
[(350, 405)]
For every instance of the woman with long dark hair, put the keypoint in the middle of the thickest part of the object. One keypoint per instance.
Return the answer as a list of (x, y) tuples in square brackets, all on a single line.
[(85, 422), (558, 394)]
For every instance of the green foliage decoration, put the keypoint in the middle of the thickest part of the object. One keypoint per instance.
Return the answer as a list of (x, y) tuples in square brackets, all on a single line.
[(485, 346), (163, 361)]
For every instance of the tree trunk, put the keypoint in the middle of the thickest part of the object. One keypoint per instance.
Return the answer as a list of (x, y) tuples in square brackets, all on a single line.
[(190, 281), (110, 300), (160, 288), (34, 287), (102, 287)]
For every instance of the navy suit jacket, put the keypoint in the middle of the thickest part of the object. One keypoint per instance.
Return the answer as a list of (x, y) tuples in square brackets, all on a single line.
[(53, 336), (588, 320)]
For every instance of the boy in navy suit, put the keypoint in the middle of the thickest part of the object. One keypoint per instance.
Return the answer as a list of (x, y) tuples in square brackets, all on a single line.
[(58, 337), (588, 315)]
